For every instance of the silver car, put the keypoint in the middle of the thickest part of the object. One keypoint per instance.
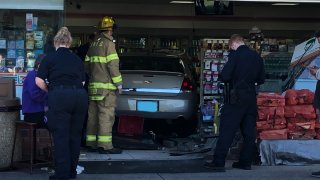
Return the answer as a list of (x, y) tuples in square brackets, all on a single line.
[(158, 87)]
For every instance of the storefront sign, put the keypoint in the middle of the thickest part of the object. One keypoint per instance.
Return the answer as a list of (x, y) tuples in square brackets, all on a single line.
[(32, 4)]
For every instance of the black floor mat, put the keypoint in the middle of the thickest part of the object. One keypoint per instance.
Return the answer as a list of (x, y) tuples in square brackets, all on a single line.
[(157, 166)]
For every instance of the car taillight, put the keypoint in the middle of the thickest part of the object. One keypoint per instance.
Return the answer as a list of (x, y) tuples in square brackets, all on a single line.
[(186, 85)]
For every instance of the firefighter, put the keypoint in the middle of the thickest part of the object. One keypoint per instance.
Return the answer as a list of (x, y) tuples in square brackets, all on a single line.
[(105, 81)]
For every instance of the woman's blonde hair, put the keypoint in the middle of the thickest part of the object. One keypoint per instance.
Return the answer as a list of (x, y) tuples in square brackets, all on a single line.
[(63, 37)]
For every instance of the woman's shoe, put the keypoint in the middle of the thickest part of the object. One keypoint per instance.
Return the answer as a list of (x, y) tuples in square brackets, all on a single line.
[(316, 174)]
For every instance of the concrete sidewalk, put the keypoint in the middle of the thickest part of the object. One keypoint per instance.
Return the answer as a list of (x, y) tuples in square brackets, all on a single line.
[(258, 173)]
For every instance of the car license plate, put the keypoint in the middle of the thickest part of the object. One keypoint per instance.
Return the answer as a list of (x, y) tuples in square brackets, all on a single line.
[(147, 106)]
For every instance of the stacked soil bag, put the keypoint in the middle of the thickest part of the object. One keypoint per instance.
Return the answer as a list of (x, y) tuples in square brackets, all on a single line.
[(271, 122), (300, 114)]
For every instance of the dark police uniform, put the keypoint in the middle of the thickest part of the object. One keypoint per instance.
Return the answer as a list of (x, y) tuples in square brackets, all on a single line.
[(243, 70), (68, 105), (316, 101)]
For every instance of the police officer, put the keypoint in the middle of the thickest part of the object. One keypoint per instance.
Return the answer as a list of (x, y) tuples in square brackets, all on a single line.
[(102, 65), (315, 71), (243, 71), (67, 101)]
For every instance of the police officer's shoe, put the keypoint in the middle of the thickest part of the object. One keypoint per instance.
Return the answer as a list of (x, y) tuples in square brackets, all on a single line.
[(239, 165), (109, 151), (316, 174), (214, 167)]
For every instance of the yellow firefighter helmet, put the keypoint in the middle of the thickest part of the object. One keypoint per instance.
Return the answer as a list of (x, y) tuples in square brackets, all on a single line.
[(107, 23)]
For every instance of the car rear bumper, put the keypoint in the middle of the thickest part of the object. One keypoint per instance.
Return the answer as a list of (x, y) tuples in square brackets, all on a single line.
[(167, 108)]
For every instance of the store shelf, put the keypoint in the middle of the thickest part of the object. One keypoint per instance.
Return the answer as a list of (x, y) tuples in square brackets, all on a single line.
[(128, 44), (277, 64), (213, 56), (272, 85)]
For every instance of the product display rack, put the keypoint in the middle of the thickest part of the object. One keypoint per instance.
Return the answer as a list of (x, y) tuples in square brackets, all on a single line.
[(25, 36), (147, 43), (212, 61), (213, 57)]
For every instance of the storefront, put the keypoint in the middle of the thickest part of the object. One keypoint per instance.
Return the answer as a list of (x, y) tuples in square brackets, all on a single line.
[(26, 31)]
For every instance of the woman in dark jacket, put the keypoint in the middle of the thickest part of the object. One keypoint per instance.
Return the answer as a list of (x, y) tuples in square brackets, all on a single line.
[(67, 102)]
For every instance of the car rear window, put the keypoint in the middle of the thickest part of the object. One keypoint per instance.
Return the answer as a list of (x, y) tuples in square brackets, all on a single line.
[(151, 63)]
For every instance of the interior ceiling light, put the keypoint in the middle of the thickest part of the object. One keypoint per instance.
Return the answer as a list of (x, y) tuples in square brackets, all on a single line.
[(283, 1), (285, 4), (182, 2)]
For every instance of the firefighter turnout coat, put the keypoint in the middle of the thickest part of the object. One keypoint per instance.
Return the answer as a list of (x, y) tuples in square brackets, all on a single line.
[(102, 66)]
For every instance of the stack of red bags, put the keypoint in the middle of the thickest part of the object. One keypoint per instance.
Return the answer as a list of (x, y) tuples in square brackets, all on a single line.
[(271, 122), (300, 114)]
